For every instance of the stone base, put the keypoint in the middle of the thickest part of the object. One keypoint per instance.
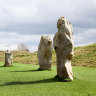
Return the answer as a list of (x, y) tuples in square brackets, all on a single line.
[(45, 67), (62, 79), (7, 65)]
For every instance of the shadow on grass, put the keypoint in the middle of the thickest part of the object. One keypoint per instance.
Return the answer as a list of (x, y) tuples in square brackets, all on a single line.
[(25, 71), (50, 80), (31, 70), (1, 66), (6, 66)]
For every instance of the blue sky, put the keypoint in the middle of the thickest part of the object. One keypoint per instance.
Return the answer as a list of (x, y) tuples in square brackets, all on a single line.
[(24, 21)]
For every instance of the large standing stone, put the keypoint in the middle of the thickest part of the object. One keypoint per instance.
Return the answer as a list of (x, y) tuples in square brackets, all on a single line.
[(63, 45), (8, 58), (45, 52)]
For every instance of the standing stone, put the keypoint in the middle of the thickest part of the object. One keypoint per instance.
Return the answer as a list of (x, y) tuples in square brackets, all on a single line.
[(8, 58), (63, 45), (45, 52)]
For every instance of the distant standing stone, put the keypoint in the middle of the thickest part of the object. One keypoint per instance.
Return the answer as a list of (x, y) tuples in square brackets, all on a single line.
[(45, 52), (63, 45), (8, 58)]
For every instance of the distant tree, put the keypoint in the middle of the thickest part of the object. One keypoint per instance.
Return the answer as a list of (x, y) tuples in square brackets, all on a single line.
[(22, 47)]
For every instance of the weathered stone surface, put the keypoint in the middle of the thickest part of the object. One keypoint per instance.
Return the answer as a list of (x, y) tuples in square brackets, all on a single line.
[(63, 45), (45, 52), (8, 58)]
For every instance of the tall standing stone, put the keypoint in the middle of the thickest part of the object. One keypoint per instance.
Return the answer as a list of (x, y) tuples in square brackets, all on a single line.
[(63, 45), (45, 52), (8, 58)]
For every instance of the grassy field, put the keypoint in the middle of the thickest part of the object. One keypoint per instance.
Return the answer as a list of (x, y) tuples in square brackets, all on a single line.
[(83, 56), (25, 80)]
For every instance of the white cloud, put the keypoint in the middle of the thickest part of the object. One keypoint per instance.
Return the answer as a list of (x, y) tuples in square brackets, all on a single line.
[(46, 12), (10, 40), (85, 37), (35, 17)]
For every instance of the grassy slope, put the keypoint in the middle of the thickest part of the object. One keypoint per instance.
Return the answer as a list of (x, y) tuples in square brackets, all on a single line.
[(23, 80), (84, 56), (21, 57)]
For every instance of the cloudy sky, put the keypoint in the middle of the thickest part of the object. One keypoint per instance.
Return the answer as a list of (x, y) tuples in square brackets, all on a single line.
[(24, 21)]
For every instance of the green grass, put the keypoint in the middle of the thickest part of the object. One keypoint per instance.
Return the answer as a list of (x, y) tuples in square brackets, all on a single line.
[(25, 80)]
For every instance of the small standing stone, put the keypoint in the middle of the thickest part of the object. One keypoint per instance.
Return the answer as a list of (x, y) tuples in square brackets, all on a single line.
[(63, 45), (45, 52), (8, 58)]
